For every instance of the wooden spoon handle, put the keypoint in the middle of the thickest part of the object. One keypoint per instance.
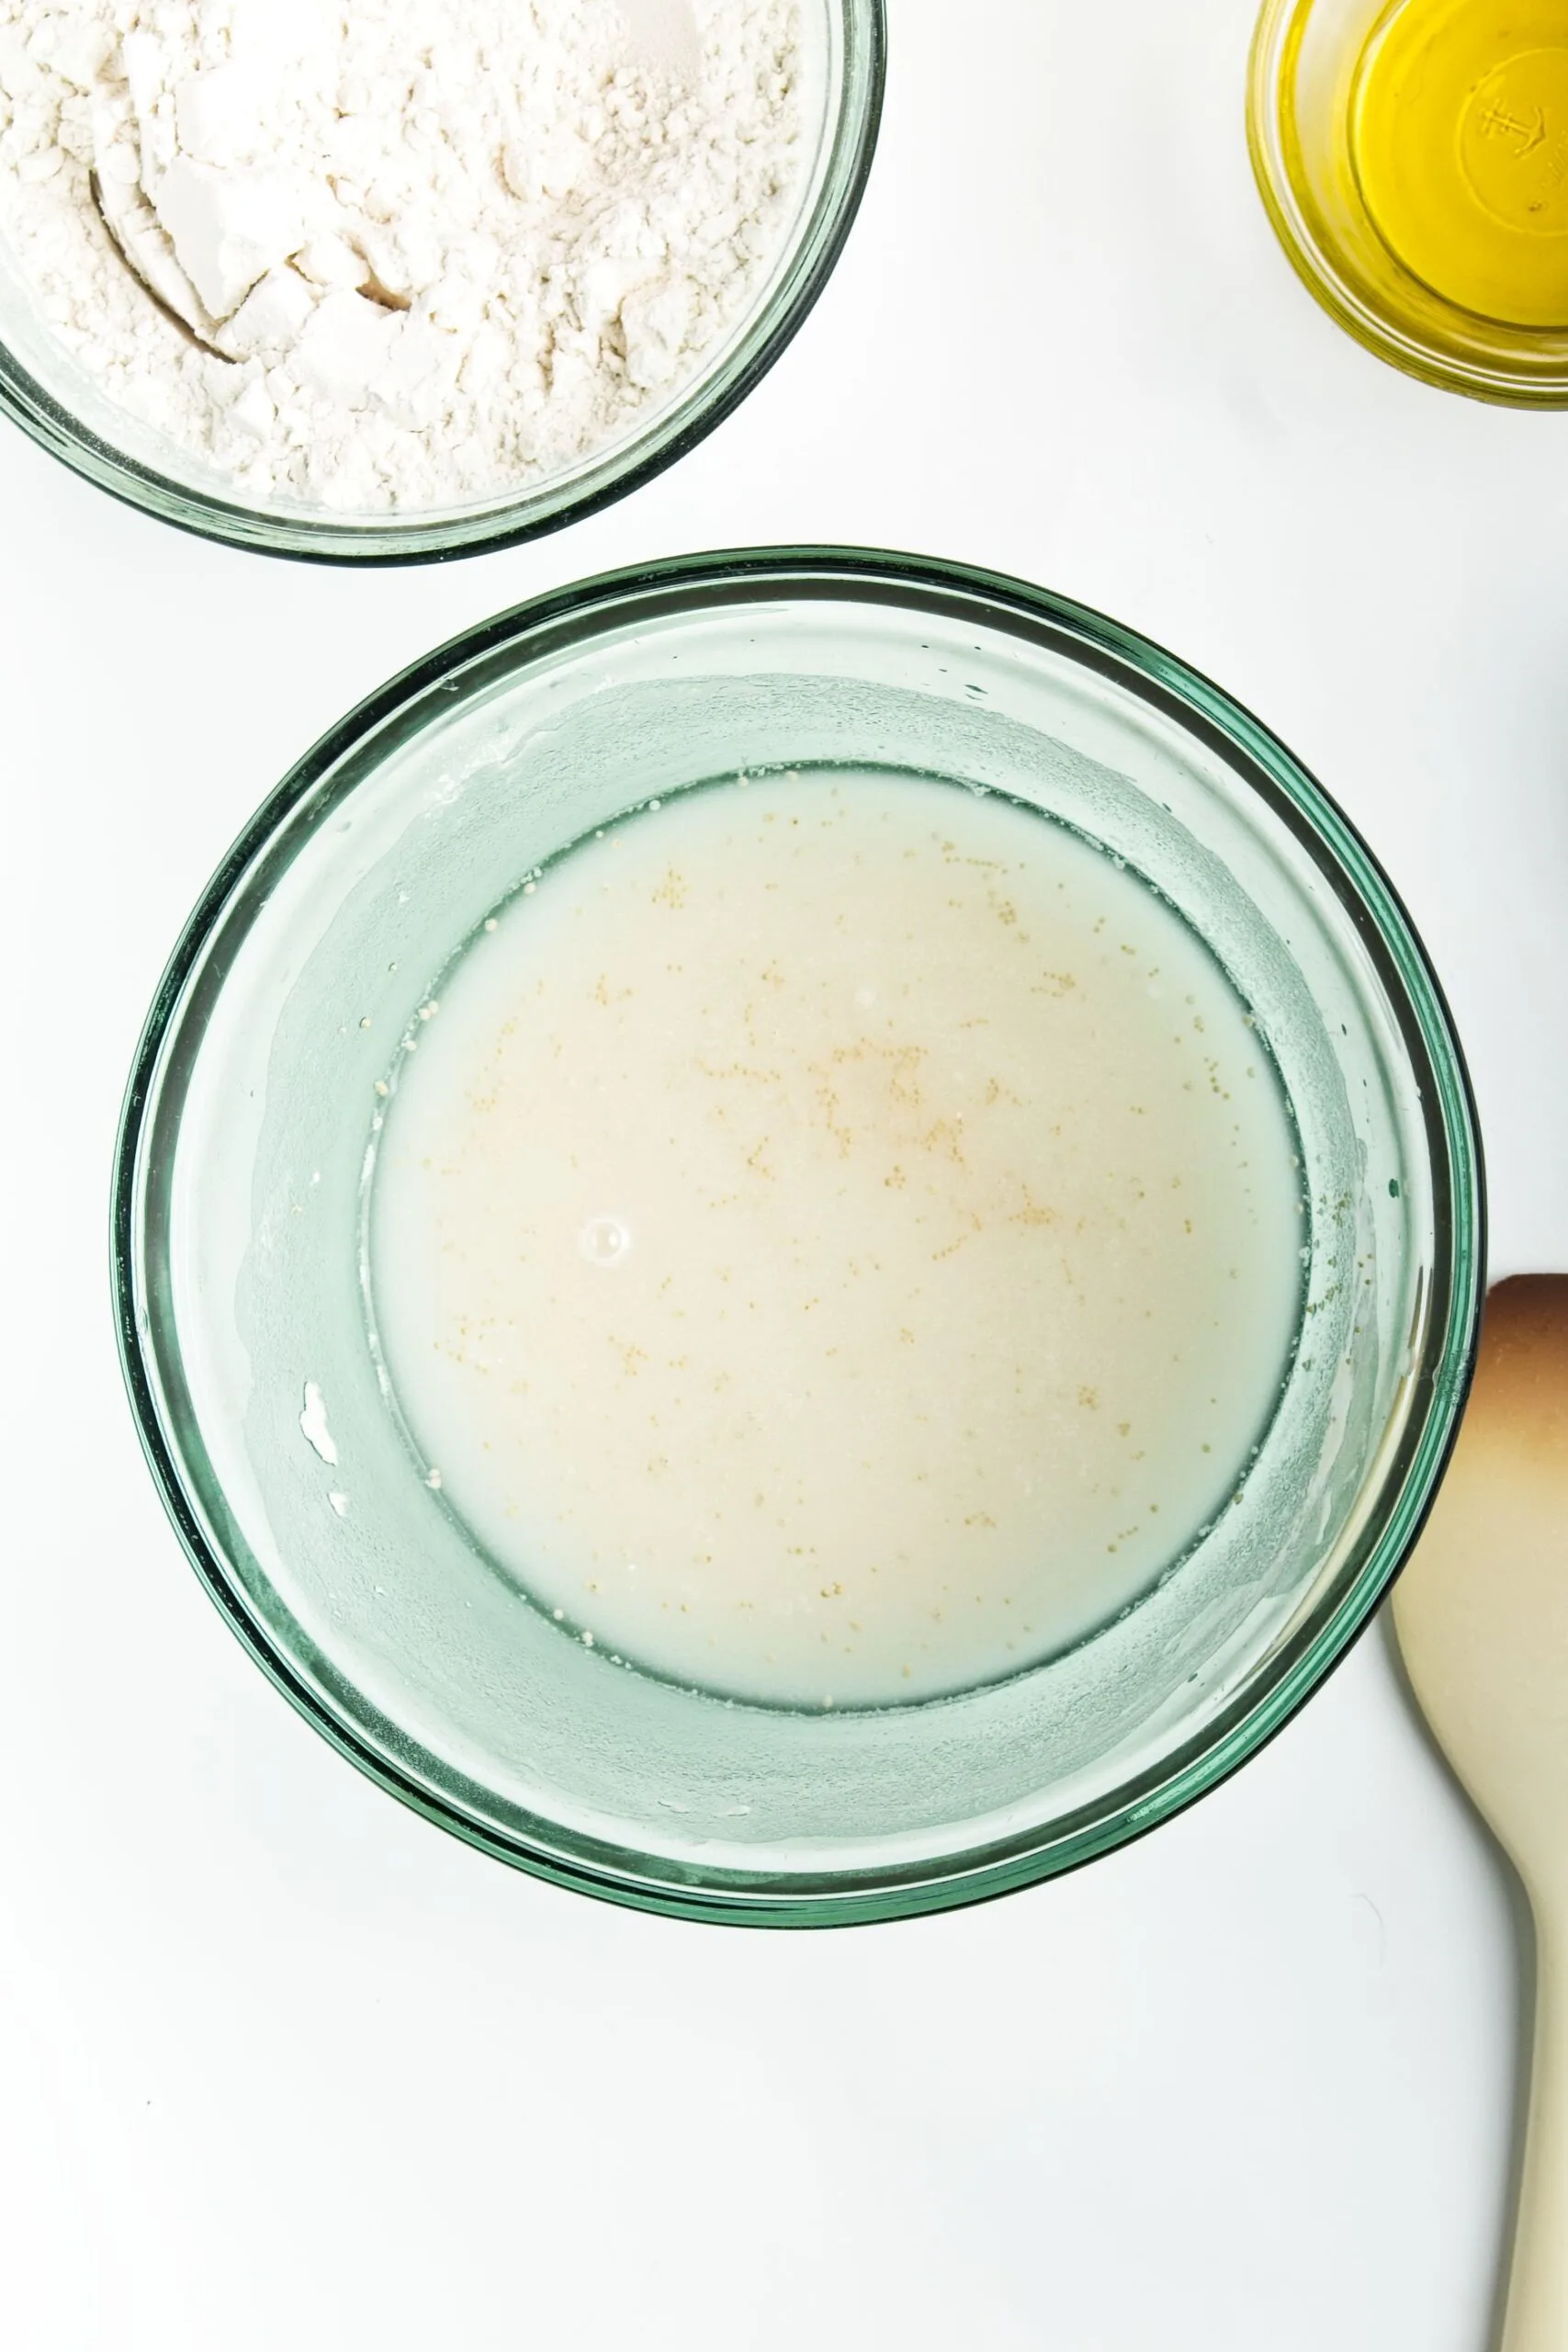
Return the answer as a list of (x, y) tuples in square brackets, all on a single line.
[(1537, 2317)]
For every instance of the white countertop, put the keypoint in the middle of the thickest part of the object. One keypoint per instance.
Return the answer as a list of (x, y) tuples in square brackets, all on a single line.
[(279, 2063)]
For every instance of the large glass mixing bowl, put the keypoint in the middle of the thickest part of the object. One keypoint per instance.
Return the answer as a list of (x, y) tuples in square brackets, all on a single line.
[(238, 1233)]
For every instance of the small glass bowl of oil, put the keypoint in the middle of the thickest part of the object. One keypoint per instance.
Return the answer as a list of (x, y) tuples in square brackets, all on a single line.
[(1413, 155)]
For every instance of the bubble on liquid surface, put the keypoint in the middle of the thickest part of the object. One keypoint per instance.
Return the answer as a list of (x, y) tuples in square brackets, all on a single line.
[(603, 1240)]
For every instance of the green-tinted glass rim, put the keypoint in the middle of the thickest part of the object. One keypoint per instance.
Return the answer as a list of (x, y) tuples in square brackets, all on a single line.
[(572, 615), (551, 505)]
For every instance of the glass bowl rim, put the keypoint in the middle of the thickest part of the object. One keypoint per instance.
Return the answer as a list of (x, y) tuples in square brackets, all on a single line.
[(816, 244), (1270, 136), (573, 615)]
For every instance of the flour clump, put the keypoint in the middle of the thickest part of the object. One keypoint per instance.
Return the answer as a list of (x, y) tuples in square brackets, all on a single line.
[(401, 255)]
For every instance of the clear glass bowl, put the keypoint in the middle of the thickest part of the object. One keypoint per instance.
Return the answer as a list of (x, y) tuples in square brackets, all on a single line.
[(1307, 59), (843, 51), (238, 1233)]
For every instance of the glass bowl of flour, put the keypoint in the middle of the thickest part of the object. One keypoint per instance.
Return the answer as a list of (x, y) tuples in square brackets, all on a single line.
[(392, 284), (798, 1238)]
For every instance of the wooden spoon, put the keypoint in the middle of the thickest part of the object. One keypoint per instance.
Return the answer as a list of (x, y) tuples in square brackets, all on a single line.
[(1481, 1615)]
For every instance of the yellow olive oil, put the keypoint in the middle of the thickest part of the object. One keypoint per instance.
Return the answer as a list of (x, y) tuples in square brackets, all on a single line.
[(1459, 143)]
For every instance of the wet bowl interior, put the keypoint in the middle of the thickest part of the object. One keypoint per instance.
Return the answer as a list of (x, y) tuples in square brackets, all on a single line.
[(44, 389), (237, 1225)]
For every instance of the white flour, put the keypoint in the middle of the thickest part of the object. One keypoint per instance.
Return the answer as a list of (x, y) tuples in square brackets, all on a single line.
[(444, 247)]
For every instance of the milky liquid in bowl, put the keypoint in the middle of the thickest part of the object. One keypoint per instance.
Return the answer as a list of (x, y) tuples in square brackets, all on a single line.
[(837, 1238)]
